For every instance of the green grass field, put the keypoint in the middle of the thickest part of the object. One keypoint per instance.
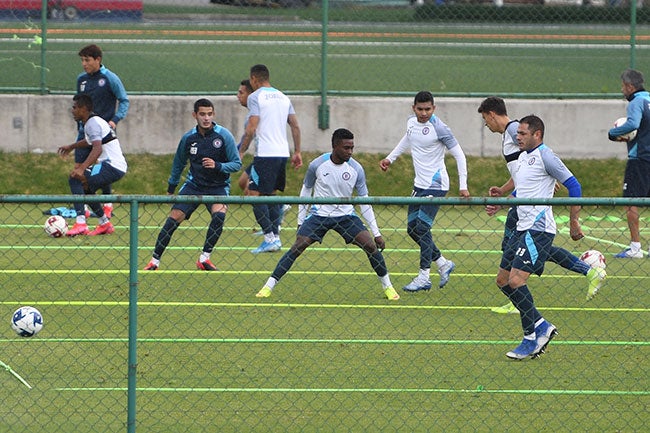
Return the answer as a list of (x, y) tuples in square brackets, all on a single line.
[(326, 352), (372, 59)]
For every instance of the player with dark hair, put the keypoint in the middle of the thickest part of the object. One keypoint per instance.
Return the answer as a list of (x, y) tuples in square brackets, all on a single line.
[(495, 115), (270, 112), (428, 138), (104, 164), (335, 174), (537, 171), (212, 154), (636, 182), (110, 102)]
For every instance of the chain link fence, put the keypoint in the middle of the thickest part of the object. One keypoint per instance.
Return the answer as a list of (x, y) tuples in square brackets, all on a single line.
[(182, 350), (530, 48)]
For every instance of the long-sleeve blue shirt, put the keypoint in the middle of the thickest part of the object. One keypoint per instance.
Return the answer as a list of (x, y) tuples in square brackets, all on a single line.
[(217, 144), (638, 117), (105, 88)]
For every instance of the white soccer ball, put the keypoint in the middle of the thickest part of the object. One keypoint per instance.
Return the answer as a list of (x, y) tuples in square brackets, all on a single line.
[(594, 258), (27, 321), (56, 226), (625, 137)]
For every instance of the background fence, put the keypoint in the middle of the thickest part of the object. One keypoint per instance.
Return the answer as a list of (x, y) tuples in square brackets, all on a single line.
[(553, 49), (326, 352)]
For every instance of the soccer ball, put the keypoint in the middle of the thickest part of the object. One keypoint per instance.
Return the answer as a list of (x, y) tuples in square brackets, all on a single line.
[(594, 258), (27, 321), (625, 137), (56, 226)]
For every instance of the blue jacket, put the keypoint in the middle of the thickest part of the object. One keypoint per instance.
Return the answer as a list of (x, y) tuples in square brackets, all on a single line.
[(106, 90), (219, 145), (638, 117)]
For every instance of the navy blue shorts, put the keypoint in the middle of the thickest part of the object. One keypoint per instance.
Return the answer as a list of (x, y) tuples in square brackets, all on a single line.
[(268, 174), (191, 189), (510, 229), (81, 154), (425, 212), (529, 252), (315, 227), (636, 182), (102, 175)]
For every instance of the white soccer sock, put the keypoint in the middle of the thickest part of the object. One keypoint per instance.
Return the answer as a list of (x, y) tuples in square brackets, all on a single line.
[(424, 274), (385, 281), (81, 219), (204, 257), (269, 237), (441, 262), (635, 246), (271, 282)]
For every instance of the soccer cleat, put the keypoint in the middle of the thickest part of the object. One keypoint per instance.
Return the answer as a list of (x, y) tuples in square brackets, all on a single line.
[(509, 308), (267, 247), (596, 277), (544, 333), (445, 271), (78, 229), (391, 294), (103, 229), (627, 253), (258, 233), (205, 266), (264, 292), (108, 210), (151, 267), (524, 350), (417, 284)]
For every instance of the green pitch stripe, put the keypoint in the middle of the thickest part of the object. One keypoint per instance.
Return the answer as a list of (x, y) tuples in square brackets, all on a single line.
[(479, 389), (322, 341), (263, 272), (297, 305)]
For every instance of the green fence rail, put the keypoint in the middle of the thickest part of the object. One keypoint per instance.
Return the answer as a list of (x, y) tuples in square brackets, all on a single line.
[(180, 349)]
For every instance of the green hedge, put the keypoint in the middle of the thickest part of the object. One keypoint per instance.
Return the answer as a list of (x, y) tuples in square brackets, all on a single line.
[(528, 14)]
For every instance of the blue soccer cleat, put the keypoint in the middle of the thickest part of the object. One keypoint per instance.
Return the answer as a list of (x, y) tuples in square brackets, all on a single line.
[(268, 247)]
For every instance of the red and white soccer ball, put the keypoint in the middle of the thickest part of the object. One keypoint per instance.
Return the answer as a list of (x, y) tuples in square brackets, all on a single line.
[(56, 226), (625, 137), (594, 258)]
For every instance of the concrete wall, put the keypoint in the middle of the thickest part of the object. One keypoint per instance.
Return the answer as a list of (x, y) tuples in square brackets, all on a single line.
[(574, 129)]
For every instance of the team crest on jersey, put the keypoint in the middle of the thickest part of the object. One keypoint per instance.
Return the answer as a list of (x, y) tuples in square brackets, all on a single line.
[(425, 130), (531, 161), (217, 143), (346, 175), (101, 82)]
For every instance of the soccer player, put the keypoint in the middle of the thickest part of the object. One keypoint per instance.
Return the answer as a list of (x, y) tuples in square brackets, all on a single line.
[(335, 174), (535, 175), (428, 138), (244, 91), (636, 182), (212, 154), (270, 111), (104, 164), (495, 115), (110, 102)]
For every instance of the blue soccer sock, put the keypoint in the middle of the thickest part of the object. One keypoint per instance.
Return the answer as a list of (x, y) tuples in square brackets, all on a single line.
[(567, 260), (378, 263), (214, 231), (262, 216), (523, 300), (164, 237), (285, 263)]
